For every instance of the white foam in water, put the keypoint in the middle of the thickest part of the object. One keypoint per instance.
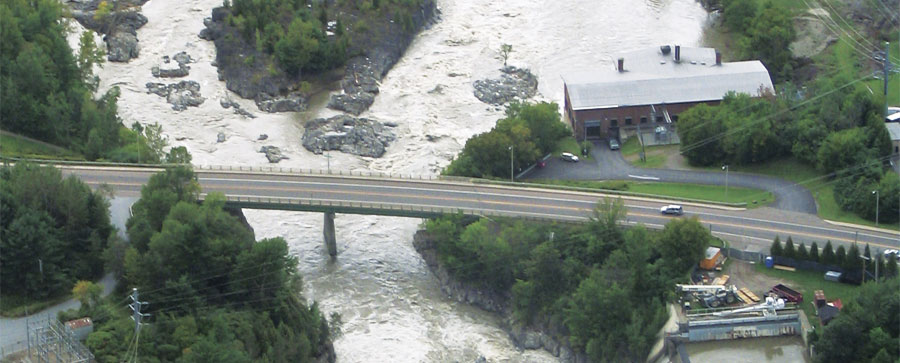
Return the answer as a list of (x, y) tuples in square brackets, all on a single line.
[(392, 308)]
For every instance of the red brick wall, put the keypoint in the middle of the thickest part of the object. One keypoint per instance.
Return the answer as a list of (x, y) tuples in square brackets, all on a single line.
[(620, 114)]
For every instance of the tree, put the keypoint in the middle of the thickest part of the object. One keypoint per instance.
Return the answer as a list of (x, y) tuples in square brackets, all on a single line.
[(295, 49), (738, 15), (88, 293), (683, 243), (840, 257), (852, 261), (155, 139), (802, 254), (891, 268), (828, 257), (505, 49), (776, 249), (789, 250), (814, 253), (699, 129), (178, 155), (768, 39)]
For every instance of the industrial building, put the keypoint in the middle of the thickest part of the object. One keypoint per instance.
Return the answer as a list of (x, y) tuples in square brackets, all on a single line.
[(649, 88)]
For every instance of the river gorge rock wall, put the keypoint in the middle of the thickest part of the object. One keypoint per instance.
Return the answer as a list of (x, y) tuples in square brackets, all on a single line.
[(545, 335)]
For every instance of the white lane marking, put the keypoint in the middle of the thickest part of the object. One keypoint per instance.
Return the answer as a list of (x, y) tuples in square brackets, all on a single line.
[(576, 201), (641, 177), (769, 221)]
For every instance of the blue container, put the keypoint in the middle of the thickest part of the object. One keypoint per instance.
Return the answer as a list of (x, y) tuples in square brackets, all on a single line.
[(770, 262)]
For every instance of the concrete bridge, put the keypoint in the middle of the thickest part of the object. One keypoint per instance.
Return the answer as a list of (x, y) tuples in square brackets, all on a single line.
[(422, 197)]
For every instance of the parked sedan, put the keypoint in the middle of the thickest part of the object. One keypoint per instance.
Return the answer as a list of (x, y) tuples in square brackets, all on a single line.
[(613, 144), (568, 157)]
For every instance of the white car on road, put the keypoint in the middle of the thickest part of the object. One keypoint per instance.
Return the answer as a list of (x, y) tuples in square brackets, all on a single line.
[(672, 209)]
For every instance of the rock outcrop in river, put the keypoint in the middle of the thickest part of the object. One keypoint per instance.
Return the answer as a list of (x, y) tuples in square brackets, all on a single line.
[(515, 84), (358, 136), (247, 72), (118, 24)]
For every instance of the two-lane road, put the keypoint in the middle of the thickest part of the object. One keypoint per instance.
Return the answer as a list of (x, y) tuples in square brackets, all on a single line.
[(754, 227)]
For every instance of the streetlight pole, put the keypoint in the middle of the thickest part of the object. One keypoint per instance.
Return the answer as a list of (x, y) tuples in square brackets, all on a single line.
[(512, 173), (725, 167), (876, 206), (328, 158)]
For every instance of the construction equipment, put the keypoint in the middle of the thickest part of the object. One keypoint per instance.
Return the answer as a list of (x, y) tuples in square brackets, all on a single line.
[(767, 307), (712, 296), (787, 293)]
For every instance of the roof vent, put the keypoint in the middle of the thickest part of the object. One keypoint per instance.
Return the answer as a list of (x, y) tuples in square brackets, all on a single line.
[(693, 62), (677, 54), (665, 49), (703, 63), (621, 66), (662, 62)]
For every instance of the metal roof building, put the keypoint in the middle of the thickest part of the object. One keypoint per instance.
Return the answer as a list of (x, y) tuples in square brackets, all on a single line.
[(652, 86)]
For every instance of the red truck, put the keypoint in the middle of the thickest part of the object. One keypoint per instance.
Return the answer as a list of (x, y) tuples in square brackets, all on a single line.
[(787, 293)]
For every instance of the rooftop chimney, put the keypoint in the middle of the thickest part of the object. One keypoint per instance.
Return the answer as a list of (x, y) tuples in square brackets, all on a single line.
[(677, 53), (621, 65), (718, 58)]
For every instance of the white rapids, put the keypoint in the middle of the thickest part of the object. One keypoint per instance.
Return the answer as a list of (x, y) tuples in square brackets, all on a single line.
[(392, 308)]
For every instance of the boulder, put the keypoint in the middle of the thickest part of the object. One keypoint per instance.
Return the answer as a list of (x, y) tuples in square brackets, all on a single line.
[(122, 47), (358, 136), (294, 102), (181, 95), (181, 71), (273, 153), (514, 84), (220, 137), (352, 103), (183, 58), (262, 137)]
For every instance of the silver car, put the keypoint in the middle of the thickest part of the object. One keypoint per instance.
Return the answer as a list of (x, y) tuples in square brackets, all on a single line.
[(672, 209)]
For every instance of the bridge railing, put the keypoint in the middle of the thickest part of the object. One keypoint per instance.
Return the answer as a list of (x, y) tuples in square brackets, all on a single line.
[(378, 174), (285, 203)]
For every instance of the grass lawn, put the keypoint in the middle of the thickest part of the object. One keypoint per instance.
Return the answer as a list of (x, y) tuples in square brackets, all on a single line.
[(15, 146), (821, 188), (656, 156), (12, 306), (568, 144), (807, 282), (711, 193)]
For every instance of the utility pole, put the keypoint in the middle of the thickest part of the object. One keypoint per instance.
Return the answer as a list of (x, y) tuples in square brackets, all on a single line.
[(512, 173), (876, 206), (726, 180), (328, 158), (136, 308), (641, 138), (885, 67)]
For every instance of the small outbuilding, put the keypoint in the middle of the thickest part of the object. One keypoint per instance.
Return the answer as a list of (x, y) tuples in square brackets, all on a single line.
[(894, 130), (833, 276), (712, 258), (80, 327)]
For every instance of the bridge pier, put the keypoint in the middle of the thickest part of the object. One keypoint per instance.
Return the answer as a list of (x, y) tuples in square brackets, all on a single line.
[(328, 232)]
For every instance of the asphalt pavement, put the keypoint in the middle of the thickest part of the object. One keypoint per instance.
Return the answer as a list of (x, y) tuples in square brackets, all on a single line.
[(609, 165)]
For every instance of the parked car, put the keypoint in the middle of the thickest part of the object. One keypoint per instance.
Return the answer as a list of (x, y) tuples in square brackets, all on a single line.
[(888, 253), (672, 209), (613, 144), (568, 157)]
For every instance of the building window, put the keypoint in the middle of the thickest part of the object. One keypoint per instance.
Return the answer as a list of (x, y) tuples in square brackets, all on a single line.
[(675, 118), (659, 119), (643, 119), (613, 123), (628, 120)]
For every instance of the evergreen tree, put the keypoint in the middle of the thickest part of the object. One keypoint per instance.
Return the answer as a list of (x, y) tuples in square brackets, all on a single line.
[(852, 262), (891, 269), (828, 257), (789, 250), (840, 256), (801, 253), (776, 249), (814, 252)]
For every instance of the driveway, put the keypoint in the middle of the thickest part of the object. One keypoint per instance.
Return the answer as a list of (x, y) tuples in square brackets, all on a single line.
[(609, 165)]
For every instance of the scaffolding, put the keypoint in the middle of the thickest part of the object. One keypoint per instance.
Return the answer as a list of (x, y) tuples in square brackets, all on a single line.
[(51, 341)]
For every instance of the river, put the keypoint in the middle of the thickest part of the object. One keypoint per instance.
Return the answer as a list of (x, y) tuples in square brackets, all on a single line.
[(390, 303)]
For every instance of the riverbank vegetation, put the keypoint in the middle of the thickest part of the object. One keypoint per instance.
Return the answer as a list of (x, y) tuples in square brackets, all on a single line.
[(832, 122), (54, 232), (605, 287), (214, 294), (529, 132), (47, 90), (866, 330)]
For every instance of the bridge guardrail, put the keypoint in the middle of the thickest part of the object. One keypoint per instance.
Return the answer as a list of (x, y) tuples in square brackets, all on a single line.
[(605, 191), (370, 174), (396, 207)]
